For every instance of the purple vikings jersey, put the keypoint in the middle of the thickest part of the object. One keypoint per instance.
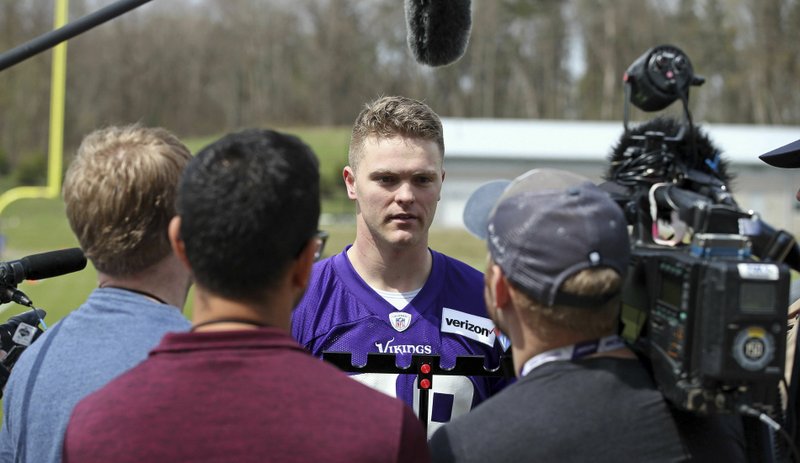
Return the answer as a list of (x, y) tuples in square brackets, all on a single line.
[(341, 313)]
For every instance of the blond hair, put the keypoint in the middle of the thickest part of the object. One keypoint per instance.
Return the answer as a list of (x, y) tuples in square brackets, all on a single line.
[(593, 322), (391, 116), (120, 194)]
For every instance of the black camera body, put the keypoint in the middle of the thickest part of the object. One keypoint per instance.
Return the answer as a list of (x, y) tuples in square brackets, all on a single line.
[(707, 292), (712, 322), (21, 330), (16, 335)]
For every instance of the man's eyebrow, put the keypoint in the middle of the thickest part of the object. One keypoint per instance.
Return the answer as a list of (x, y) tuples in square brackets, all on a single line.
[(387, 171)]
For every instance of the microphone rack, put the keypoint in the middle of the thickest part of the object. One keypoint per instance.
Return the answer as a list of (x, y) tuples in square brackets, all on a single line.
[(425, 367)]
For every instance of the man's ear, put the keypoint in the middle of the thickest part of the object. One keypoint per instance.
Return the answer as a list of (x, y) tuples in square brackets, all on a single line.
[(349, 181), (440, 190), (301, 271), (501, 287), (175, 240)]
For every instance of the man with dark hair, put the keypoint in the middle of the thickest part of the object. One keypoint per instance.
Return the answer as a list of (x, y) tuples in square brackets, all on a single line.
[(558, 252), (238, 387), (119, 193), (389, 292)]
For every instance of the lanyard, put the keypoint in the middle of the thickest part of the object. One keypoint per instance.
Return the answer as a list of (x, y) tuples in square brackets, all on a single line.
[(574, 352)]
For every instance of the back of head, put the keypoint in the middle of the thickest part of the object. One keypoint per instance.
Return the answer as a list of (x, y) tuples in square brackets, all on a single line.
[(248, 203), (565, 247), (120, 193), (603, 284), (392, 116)]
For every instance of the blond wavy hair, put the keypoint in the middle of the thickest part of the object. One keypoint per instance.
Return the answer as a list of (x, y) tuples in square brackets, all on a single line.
[(120, 194)]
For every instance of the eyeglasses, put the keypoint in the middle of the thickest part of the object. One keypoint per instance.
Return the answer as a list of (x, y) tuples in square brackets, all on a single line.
[(322, 236)]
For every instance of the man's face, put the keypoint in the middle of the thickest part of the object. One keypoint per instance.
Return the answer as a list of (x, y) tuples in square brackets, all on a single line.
[(396, 188)]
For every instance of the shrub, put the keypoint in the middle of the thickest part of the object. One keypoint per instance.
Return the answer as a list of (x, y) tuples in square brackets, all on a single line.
[(31, 169)]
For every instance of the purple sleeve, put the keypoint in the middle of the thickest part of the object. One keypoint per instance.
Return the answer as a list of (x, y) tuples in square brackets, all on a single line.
[(308, 305), (298, 322)]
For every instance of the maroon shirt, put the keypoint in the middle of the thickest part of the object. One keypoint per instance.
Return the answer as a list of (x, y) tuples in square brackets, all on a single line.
[(240, 396)]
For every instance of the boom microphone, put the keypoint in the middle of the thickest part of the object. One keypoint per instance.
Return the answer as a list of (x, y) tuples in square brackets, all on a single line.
[(438, 30), (41, 266)]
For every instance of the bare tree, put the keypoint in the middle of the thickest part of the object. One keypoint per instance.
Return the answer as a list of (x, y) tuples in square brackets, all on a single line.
[(207, 66)]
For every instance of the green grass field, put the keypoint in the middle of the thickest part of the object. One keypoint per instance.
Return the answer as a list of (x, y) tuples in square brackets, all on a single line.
[(37, 225)]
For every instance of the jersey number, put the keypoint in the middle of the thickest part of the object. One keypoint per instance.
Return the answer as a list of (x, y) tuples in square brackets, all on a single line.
[(450, 396)]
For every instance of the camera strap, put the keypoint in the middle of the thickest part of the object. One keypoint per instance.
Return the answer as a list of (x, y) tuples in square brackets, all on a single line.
[(26, 398), (574, 352)]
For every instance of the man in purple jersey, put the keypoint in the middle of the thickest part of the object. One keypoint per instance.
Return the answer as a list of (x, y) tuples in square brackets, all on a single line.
[(388, 292)]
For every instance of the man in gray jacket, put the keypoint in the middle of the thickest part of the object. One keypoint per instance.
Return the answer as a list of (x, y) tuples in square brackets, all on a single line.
[(558, 254)]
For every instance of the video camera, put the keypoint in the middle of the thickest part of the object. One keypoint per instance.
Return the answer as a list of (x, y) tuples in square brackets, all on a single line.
[(22, 330), (707, 290), (16, 335)]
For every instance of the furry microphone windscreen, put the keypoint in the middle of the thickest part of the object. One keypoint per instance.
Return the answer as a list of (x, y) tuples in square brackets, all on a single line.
[(708, 154), (438, 30)]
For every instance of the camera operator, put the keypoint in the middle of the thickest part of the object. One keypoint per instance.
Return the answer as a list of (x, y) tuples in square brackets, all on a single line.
[(120, 196), (788, 156), (558, 251)]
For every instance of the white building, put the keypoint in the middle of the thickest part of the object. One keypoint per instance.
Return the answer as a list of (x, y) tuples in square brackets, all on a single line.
[(479, 150)]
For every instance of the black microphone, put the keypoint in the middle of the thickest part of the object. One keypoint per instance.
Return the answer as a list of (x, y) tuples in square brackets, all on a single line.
[(438, 30), (41, 266)]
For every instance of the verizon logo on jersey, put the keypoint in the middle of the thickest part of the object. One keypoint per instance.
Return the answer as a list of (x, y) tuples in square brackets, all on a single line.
[(480, 329)]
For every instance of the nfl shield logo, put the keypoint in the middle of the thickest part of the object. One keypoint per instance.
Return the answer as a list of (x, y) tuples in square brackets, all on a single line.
[(400, 320)]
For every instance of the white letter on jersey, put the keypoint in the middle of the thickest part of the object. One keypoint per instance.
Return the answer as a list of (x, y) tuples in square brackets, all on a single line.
[(460, 387)]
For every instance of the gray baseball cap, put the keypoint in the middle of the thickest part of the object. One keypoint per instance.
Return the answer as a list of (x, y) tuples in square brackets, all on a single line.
[(545, 226)]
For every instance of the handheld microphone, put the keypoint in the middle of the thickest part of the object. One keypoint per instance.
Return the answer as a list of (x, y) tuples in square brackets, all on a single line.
[(41, 266), (438, 30)]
